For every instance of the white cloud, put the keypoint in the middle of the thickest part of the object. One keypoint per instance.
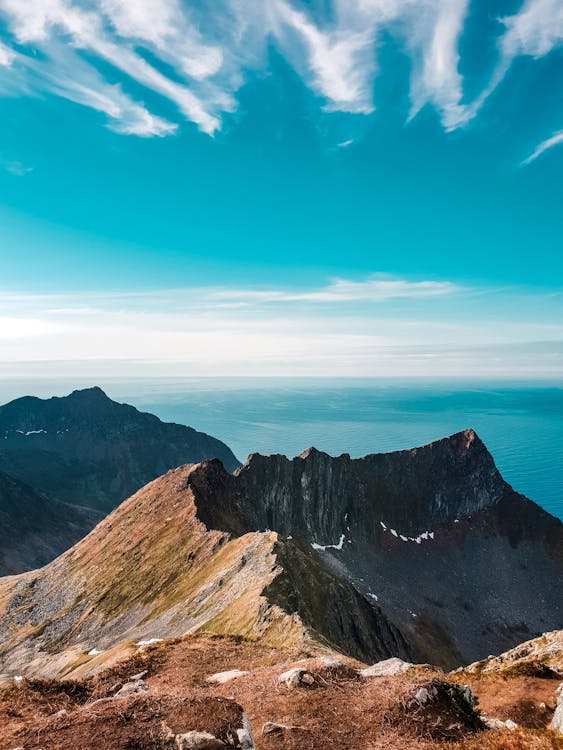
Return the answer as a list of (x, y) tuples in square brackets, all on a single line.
[(433, 38), (555, 140), (534, 31), (414, 330), (6, 56), (340, 60), (15, 167), (14, 328), (377, 288), (200, 54)]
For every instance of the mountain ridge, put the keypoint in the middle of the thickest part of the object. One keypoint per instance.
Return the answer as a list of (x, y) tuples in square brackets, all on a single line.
[(89, 450), (195, 550)]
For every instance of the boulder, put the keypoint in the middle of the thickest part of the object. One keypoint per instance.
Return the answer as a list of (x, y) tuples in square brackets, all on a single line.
[(132, 688), (295, 677), (220, 678), (498, 724), (557, 720), (244, 734), (198, 741), (386, 668)]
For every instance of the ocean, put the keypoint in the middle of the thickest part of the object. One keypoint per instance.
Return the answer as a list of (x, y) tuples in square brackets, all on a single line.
[(521, 423)]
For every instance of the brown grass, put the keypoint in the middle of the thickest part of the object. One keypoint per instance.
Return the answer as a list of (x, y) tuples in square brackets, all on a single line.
[(340, 710)]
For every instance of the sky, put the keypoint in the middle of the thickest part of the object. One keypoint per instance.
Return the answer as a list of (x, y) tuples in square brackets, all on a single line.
[(281, 187)]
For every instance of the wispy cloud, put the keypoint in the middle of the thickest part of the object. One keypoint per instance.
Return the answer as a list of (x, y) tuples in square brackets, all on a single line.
[(554, 140), (15, 167), (376, 326), (377, 288), (201, 54)]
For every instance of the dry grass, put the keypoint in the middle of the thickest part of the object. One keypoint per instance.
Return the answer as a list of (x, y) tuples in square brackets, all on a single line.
[(339, 710)]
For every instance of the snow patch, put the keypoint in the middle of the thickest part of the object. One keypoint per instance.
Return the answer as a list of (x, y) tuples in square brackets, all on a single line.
[(149, 642), (425, 536), (324, 547)]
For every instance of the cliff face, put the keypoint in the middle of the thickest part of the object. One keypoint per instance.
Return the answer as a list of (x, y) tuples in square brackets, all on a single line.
[(316, 497), (86, 449)]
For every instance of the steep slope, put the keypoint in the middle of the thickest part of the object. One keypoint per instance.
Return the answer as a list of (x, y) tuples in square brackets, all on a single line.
[(425, 554), (88, 450), (35, 529)]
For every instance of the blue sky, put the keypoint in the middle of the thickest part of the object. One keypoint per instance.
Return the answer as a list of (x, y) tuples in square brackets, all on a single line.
[(354, 187)]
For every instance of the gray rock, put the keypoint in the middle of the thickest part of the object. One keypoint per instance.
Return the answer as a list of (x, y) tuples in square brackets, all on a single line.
[(557, 720), (498, 724), (198, 741), (132, 688), (244, 735), (386, 667), (295, 677), (220, 678), (139, 676)]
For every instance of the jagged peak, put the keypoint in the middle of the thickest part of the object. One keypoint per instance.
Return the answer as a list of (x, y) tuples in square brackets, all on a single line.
[(466, 439)]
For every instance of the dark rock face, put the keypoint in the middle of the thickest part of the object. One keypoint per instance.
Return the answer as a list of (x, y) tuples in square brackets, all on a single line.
[(88, 450), (35, 529), (452, 562)]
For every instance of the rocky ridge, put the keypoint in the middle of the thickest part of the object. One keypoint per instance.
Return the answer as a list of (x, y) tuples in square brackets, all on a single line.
[(88, 450), (426, 555)]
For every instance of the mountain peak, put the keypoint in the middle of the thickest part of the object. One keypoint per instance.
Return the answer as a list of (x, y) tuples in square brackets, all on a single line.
[(93, 392), (90, 397)]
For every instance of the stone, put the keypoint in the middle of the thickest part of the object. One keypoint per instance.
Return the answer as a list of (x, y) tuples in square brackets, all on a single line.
[(198, 741), (139, 676), (557, 720), (132, 688), (386, 668), (498, 724), (220, 678), (295, 677), (244, 734)]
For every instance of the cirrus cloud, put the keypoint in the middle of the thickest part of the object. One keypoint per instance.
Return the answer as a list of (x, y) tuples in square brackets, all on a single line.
[(197, 56)]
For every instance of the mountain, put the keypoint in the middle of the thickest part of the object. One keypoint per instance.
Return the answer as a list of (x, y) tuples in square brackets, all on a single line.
[(425, 554), (88, 450), (35, 529)]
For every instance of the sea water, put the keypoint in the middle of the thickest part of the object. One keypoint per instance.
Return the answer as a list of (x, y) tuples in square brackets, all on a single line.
[(521, 423)]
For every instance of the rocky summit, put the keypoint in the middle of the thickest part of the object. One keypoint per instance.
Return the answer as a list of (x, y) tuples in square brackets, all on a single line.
[(426, 555), (86, 449)]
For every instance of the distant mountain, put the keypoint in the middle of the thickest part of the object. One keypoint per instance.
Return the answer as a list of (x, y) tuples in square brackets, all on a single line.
[(424, 554), (35, 529), (88, 450)]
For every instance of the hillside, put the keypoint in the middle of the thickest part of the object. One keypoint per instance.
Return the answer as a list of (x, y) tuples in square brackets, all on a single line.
[(213, 693), (35, 529), (425, 554), (88, 450)]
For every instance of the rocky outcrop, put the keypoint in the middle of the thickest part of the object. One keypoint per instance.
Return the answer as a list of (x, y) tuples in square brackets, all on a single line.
[(88, 450)]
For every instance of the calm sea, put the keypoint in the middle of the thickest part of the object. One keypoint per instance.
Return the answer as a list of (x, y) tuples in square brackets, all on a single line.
[(521, 423)]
